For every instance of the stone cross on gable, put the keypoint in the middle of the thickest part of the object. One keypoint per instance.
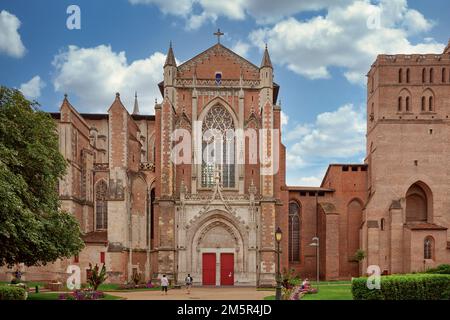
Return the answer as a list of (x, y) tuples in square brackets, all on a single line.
[(218, 34)]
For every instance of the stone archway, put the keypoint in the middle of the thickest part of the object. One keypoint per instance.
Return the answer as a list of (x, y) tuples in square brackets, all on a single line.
[(218, 235)]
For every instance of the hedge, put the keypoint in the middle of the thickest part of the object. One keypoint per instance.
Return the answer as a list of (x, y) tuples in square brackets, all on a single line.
[(12, 293), (405, 287), (441, 269)]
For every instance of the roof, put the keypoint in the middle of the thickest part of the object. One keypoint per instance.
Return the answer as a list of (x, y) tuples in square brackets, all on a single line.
[(220, 47), (103, 116), (300, 188), (424, 226), (266, 62), (170, 60), (96, 237)]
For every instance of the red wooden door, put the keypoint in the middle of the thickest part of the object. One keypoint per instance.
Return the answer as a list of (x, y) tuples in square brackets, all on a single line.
[(227, 269), (209, 269)]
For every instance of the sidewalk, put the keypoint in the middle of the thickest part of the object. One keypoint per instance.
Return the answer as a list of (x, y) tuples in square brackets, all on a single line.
[(198, 294)]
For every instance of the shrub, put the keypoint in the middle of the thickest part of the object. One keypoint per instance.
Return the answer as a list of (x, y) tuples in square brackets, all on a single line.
[(404, 287), (96, 276), (12, 293), (441, 269)]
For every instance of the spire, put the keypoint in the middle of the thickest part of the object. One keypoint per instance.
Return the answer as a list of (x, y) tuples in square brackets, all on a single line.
[(266, 59), (170, 60), (136, 105)]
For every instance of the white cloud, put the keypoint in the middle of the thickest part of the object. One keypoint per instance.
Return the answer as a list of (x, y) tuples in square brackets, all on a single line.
[(345, 37), (94, 75), (263, 11), (312, 181), (10, 41), (336, 135), (241, 48), (284, 119), (32, 89)]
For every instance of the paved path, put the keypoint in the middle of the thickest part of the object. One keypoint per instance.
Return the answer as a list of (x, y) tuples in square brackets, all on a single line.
[(198, 294)]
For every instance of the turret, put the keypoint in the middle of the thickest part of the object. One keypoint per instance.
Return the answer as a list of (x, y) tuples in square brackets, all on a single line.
[(266, 70), (170, 68), (136, 105)]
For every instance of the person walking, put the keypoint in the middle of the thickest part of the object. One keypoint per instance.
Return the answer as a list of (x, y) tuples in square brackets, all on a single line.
[(188, 282), (164, 285)]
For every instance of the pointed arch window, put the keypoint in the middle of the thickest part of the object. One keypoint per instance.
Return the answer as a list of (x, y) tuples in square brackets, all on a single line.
[(294, 232), (431, 75), (428, 248), (424, 101), (431, 103), (101, 206), (407, 75), (444, 74), (400, 76), (399, 106), (407, 104), (423, 75), (218, 156)]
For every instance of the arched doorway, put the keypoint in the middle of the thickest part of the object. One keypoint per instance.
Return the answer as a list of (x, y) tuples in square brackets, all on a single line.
[(217, 251)]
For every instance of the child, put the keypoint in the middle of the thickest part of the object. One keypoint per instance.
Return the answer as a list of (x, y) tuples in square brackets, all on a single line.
[(164, 285)]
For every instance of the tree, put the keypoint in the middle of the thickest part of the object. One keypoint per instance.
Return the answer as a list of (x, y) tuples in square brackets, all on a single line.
[(33, 229)]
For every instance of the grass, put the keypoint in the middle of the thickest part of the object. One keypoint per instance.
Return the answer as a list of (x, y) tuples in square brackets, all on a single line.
[(116, 287), (54, 296), (333, 290)]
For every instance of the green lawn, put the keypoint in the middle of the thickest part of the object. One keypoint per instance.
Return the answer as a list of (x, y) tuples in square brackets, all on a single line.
[(339, 290), (116, 287), (54, 296)]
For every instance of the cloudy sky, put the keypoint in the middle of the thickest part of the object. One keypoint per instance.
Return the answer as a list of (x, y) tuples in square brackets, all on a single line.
[(321, 52)]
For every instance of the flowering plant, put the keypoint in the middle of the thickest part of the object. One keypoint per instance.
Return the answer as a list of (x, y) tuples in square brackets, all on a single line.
[(86, 294)]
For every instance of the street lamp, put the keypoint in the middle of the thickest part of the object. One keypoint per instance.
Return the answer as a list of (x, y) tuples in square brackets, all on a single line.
[(316, 244), (278, 235)]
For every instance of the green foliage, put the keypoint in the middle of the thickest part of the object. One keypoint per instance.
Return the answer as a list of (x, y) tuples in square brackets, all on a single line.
[(441, 269), (405, 287), (33, 230), (12, 293), (360, 255), (96, 276), (290, 279)]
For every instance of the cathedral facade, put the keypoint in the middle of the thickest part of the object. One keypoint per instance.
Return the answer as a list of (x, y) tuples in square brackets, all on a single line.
[(145, 208)]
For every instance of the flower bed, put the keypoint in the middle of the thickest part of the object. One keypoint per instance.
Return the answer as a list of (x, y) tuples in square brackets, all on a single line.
[(86, 294)]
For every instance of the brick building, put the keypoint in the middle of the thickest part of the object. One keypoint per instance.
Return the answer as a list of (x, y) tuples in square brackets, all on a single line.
[(140, 211)]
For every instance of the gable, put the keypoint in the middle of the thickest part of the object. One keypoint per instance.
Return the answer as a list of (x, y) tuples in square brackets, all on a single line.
[(218, 59)]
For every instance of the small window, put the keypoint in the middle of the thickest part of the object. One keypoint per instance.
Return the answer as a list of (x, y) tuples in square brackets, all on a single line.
[(407, 75), (382, 224), (443, 75), (354, 169), (423, 104), (218, 78), (407, 104), (423, 75), (428, 248), (399, 106), (430, 104), (345, 168), (400, 76), (431, 75)]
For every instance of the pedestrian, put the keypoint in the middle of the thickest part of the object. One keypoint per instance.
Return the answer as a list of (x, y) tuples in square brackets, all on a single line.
[(188, 282), (164, 285)]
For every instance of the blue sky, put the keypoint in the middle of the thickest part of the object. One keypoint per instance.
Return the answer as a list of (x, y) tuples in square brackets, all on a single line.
[(321, 52)]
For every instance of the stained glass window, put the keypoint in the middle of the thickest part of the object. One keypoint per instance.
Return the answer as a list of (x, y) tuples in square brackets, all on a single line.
[(218, 121), (101, 206)]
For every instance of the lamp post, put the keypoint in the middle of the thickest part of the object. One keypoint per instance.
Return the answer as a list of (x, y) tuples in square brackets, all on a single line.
[(278, 235), (316, 243)]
